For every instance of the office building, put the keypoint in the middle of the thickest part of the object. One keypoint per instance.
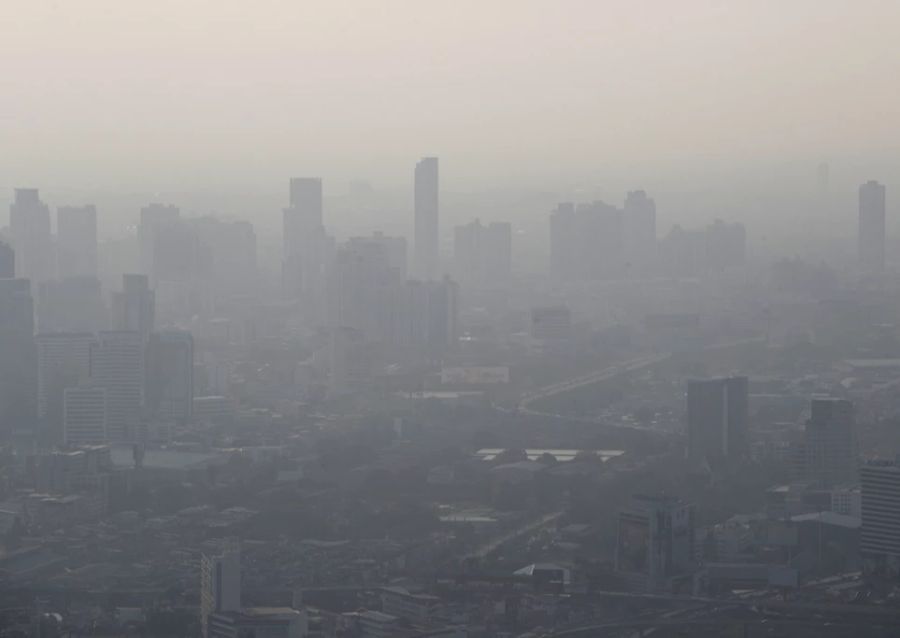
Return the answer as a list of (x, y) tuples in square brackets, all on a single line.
[(259, 622), (117, 364), (483, 254), (880, 532), (640, 233), (587, 241), (76, 241), (303, 221), (427, 250), (7, 261), (655, 543), (18, 363), (230, 247), (829, 449), (872, 227), (29, 226), (430, 316), (717, 414), (169, 379), (72, 304), (84, 415), (220, 583), (63, 361), (134, 307), (154, 217)]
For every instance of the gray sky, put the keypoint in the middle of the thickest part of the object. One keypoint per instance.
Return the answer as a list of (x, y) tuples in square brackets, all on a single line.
[(127, 94)]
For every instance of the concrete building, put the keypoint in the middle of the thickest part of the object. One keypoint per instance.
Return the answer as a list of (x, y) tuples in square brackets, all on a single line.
[(18, 364), (220, 584), (717, 413), (71, 304), (483, 254), (259, 622), (427, 250), (154, 218), (872, 227), (880, 532), (829, 449), (134, 307), (7, 261), (640, 233), (117, 364), (63, 361), (169, 385), (655, 543), (84, 415), (29, 228)]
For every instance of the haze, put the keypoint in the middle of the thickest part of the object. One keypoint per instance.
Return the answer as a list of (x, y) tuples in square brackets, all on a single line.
[(204, 95)]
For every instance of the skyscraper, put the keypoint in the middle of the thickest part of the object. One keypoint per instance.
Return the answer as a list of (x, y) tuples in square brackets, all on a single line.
[(117, 364), (29, 225), (426, 263), (220, 583), (154, 217), (483, 254), (640, 232), (717, 418), (63, 361), (430, 316), (76, 229), (18, 363), (7, 261), (726, 245), (302, 222), (587, 241), (880, 533), (169, 387), (134, 307), (829, 443), (84, 415), (73, 304), (872, 226)]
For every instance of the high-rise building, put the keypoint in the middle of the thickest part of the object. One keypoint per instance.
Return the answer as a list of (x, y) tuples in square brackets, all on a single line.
[(429, 319), (483, 254), (717, 413), (154, 217), (231, 250), (134, 307), (73, 304), (302, 224), (829, 449), (880, 532), (655, 542), (587, 241), (427, 250), (84, 415), (18, 363), (76, 241), (7, 261), (220, 583), (872, 226), (640, 232), (29, 225), (117, 364), (366, 289), (63, 361), (169, 385)]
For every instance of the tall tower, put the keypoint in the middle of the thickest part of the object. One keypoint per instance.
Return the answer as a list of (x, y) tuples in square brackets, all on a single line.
[(29, 225), (154, 218), (169, 389), (7, 261), (76, 229), (640, 231), (871, 226), (302, 223), (427, 230), (829, 443)]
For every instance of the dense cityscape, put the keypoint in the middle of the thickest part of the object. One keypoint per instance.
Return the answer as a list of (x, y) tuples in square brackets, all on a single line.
[(404, 319)]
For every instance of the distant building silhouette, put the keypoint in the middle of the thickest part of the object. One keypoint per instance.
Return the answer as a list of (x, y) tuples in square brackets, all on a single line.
[(483, 254), (640, 233), (134, 307), (7, 261), (872, 226), (169, 387), (63, 361), (29, 225), (84, 415), (154, 217), (18, 363), (426, 262), (828, 455), (308, 250), (717, 413), (220, 583), (880, 532), (117, 364), (587, 241)]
